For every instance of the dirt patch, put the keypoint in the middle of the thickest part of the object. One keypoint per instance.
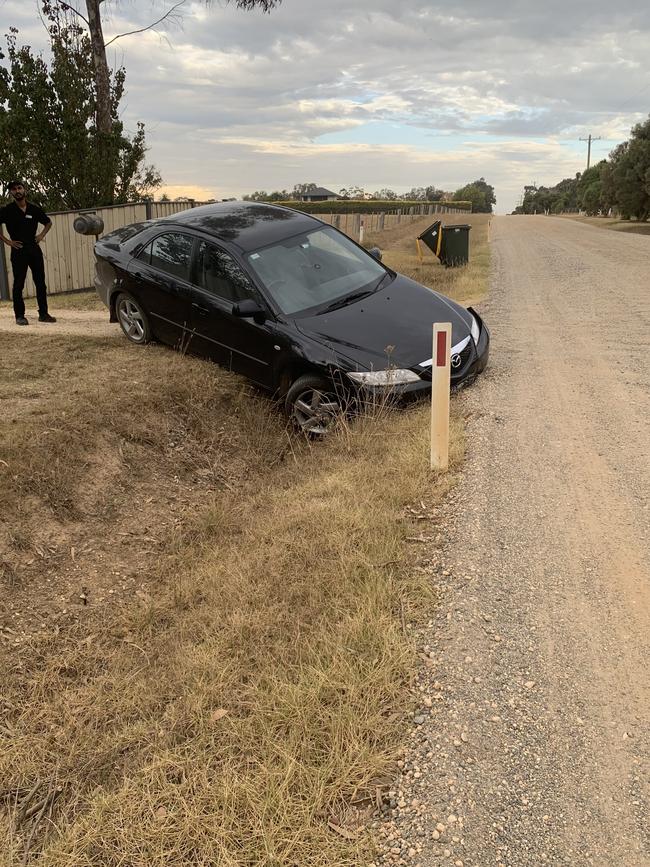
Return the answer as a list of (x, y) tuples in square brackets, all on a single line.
[(89, 323)]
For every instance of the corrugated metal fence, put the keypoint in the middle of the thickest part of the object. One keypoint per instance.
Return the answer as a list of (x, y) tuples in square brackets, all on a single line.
[(70, 262)]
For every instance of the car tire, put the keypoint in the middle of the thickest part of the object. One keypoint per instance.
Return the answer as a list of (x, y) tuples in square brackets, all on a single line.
[(132, 318), (313, 405)]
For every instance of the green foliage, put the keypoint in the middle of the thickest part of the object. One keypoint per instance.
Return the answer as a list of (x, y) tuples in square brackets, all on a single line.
[(621, 183), (354, 199), (263, 196), (627, 176), (48, 129), (303, 189), (480, 194), (590, 195), (551, 200), (385, 195), (425, 194), (352, 192)]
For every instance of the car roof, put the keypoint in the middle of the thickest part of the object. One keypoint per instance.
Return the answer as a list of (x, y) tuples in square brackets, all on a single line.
[(247, 225)]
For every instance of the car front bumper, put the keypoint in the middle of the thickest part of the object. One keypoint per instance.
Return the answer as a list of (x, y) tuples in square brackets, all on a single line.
[(474, 359)]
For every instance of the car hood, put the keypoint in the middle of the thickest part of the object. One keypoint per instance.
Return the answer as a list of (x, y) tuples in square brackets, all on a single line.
[(400, 316)]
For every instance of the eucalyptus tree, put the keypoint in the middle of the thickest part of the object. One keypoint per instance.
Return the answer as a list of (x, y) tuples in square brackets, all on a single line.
[(48, 125), (90, 13), (626, 177)]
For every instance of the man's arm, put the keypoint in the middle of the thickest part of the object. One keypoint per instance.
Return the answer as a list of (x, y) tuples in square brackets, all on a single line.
[(43, 233), (15, 245), (42, 218)]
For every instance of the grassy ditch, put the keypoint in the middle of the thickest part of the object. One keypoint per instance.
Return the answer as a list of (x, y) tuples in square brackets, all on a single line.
[(242, 702)]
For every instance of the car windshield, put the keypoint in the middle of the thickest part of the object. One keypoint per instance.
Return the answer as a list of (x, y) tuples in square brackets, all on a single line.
[(315, 269)]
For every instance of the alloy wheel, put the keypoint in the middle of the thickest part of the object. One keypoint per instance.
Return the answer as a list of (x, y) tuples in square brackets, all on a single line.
[(315, 411), (132, 320)]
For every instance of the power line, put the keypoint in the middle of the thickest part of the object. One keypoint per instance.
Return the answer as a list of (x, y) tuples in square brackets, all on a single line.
[(589, 140), (633, 97)]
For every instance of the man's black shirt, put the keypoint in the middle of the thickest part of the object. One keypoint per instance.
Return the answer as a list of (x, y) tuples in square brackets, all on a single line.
[(22, 225)]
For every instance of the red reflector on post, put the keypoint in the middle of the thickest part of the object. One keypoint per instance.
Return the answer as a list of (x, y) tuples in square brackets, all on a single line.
[(441, 349)]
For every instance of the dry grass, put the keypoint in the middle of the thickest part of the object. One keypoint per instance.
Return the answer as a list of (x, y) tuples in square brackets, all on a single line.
[(467, 285), (65, 396), (237, 712), (612, 223)]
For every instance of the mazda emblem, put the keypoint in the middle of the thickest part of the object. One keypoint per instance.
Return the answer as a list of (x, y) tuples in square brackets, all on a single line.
[(455, 360)]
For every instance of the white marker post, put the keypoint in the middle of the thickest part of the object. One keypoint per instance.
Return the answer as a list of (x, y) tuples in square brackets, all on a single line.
[(440, 385)]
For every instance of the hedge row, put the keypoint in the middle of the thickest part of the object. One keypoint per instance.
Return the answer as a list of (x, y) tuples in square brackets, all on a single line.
[(371, 206)]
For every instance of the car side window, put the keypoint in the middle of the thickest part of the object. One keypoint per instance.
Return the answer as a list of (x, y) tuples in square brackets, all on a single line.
[(171, 253), (218, 273)]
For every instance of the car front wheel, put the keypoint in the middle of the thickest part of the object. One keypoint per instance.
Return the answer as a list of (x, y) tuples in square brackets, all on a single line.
[(132, 318), (313, 405)]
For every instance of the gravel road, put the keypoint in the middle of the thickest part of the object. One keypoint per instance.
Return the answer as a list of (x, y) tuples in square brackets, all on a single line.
[(531, 744)]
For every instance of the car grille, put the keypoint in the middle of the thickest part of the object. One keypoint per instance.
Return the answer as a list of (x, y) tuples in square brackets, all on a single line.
[(466, 356)]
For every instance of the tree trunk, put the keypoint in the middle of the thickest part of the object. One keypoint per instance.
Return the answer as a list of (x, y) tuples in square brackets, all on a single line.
[(103, 118), (102, 77)]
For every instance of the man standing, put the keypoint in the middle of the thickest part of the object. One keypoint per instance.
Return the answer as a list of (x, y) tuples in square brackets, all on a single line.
[(22, 218)]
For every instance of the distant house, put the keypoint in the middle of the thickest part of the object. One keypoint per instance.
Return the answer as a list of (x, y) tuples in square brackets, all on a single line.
[(318, 194)]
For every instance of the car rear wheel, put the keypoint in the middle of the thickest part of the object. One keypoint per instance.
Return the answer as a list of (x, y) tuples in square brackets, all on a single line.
[(132, 318), (313, 405)]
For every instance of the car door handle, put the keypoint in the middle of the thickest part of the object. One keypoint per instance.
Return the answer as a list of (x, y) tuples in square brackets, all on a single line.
[(202, 311)]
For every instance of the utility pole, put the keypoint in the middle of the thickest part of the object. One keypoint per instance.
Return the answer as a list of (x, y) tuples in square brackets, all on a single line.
[(589, 140)]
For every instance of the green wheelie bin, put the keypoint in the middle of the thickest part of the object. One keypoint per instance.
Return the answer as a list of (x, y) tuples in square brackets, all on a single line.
[(454, 246)]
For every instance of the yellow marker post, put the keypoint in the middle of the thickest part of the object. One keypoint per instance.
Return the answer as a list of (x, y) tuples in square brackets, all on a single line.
[(418, 245), (440, 385)]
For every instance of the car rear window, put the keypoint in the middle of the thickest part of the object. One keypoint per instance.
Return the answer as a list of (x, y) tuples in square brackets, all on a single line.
[(125, 233)]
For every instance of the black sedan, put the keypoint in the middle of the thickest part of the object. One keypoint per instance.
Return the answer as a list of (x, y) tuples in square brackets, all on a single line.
[(286, 300)]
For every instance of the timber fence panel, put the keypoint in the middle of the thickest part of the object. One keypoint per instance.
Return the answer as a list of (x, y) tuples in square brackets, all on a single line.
[(166, 209), (70, 261), (69, 257)]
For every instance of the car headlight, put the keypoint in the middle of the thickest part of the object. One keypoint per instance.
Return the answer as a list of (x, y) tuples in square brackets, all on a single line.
[(384, 378), (476, 329)]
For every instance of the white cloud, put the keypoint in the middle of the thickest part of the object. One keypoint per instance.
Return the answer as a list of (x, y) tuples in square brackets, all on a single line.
[(482, 88)]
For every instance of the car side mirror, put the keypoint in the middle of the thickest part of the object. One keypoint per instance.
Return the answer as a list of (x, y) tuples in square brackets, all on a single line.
[(376, 252), (250, 309)]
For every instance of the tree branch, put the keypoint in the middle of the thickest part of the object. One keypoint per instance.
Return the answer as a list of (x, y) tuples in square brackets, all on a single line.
[(76, 11), (148, 27), (248, 5)]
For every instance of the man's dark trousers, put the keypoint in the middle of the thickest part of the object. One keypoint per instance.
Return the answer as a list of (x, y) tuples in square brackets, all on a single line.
[(29, 256)]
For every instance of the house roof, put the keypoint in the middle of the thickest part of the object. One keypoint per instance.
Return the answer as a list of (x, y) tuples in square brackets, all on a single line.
[(320, 191)]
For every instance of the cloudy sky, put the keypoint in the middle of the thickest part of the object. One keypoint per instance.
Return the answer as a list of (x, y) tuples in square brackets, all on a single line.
[(376, 93)]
